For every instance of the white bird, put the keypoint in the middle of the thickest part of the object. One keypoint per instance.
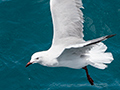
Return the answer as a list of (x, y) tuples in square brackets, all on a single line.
[(68, 47)]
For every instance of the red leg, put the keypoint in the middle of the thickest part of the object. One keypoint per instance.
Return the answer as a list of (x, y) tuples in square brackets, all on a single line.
[(88, 76)]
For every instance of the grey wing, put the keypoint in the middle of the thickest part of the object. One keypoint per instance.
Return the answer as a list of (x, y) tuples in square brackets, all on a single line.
[(67, 21), (74, 57)]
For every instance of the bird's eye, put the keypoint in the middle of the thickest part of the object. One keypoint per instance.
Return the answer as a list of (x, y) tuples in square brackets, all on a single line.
[(37, 58)]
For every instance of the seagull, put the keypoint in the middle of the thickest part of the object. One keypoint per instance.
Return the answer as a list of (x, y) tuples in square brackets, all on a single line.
[(68, 48)]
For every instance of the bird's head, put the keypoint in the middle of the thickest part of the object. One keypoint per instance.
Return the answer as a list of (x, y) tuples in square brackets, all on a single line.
[(36, 58)]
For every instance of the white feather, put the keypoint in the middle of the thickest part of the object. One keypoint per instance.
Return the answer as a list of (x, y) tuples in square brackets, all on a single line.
[(68, 21), (98, 57)]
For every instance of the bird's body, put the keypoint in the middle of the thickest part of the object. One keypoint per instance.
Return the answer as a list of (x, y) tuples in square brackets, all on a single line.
[(69, 49)]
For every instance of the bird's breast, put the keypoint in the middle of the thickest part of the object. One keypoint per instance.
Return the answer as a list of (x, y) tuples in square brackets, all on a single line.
[(50, 62)]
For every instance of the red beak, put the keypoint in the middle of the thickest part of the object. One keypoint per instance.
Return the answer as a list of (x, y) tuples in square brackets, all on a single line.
[(29, 63)]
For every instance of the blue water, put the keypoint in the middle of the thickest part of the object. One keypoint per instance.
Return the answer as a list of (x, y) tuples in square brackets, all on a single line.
[(26, 27)]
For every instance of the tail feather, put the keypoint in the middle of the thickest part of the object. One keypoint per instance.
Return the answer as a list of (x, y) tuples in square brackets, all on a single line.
[(98, 48), (99, 65), (105, 58), (98, 57)]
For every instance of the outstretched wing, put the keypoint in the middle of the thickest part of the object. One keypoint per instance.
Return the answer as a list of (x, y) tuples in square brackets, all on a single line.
[(67, 21)]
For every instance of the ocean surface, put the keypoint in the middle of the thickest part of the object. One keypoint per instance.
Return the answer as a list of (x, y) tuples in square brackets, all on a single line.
[(26, 27)]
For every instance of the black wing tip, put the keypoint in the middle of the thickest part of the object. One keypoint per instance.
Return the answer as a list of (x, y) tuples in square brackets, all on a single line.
[(109, 36)]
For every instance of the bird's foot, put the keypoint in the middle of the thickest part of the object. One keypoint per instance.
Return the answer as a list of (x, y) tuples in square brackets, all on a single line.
[(88, 76), (90, 80)]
